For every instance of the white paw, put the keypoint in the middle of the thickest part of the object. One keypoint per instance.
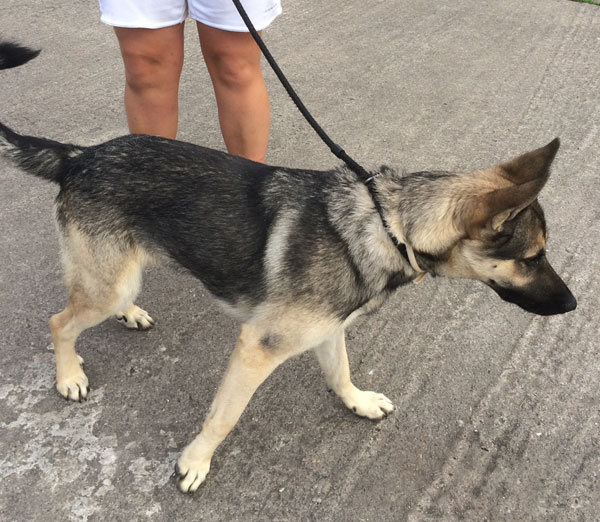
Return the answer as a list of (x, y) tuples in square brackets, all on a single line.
[(191, 473), (74, 386), (135, 318), (369, 404)]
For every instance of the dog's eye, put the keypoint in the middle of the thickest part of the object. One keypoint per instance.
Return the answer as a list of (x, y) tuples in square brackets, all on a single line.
[(535, 260)]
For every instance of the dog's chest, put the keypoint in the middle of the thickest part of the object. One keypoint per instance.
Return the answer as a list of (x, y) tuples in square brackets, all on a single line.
[(369, 307), (375, 303)]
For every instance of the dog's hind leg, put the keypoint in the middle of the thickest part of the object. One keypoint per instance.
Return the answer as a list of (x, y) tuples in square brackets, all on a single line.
[(250, 364), (333, 359), (101, 279), (71, 381)]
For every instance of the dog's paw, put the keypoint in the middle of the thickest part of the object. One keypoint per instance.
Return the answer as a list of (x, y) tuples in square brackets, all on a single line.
[(191, 473), (369, 404), (74, 386), (135, 318)]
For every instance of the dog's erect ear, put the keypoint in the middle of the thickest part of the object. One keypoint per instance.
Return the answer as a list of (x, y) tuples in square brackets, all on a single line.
[(527, 174), (532, 165)]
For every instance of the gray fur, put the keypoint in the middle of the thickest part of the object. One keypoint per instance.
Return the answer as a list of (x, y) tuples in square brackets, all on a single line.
[(256, 234)]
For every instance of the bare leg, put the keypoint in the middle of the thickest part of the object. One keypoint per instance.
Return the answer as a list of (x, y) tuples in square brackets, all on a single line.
[(153, 59), (249, 366), (233, 62), (334, 362)]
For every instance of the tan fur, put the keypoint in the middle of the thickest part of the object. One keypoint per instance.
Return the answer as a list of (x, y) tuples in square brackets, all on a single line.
[(250, 364), (455, 219), (537, 243), (102, 280)]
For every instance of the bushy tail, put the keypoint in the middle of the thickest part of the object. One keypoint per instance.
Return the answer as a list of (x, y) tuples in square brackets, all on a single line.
[(13, 55), (38, 156), (41, 157)]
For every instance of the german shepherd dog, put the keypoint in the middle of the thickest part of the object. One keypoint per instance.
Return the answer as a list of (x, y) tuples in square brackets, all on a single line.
[(296, 255)]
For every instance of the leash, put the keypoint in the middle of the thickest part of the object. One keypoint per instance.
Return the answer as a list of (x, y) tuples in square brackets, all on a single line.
[(334, 147), (366, 177)]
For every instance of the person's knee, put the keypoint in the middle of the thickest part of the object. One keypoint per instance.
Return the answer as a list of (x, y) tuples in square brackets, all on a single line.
[(235, 73), (145, 71)]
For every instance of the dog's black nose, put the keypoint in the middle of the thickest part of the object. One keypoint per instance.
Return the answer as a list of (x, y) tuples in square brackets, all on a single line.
[(569, 304)]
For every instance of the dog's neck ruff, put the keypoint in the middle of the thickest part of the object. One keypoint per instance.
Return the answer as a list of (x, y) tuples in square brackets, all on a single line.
[(403, 246)]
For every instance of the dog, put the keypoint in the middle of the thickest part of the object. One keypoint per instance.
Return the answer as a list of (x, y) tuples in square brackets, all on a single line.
[(296, 255)]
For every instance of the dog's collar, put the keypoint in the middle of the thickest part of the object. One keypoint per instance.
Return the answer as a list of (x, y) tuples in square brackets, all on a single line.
[(403, 246)]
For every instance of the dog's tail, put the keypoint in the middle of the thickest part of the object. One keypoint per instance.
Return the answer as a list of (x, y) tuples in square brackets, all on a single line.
[(41, 157), (13, 55), (38, 156)]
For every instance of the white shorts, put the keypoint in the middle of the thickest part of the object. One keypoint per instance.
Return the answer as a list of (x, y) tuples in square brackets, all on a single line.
[(154, 14)]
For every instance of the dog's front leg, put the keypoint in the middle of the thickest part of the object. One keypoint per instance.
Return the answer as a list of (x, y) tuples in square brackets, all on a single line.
[(333, 358), (250, 364)]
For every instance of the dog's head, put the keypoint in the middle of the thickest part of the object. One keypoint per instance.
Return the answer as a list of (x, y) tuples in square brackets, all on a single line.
[(501, 234)]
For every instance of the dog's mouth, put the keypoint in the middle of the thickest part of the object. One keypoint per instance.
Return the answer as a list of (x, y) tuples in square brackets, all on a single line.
[(535, 300)]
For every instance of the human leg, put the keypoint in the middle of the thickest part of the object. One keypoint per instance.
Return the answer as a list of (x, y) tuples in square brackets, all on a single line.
[(233, 62), (153, 59)]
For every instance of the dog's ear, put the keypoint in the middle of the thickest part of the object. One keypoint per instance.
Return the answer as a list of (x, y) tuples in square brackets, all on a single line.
[(527, 175), (531, 166)]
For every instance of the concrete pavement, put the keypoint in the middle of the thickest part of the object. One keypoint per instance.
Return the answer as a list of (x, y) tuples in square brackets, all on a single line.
[(497, 410)]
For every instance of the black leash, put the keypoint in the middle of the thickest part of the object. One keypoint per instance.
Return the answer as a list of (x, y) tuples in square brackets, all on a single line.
[(335, 148), (366, 177)]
